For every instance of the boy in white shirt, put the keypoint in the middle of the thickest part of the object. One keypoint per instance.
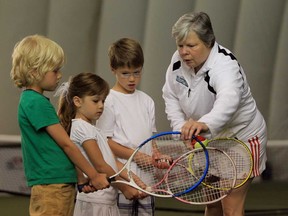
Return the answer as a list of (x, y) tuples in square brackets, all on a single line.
[(129, 115)]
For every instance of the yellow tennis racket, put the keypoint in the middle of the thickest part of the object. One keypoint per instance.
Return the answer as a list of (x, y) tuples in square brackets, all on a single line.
[(240, 154)]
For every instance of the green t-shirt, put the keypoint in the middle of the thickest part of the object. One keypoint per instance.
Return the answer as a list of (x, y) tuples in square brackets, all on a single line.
[(44, 160)]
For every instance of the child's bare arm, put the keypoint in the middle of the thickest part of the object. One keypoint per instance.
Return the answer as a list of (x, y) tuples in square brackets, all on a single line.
[(83, 182), (124, 152), (57, 132), (119, 150), (95, 156), (126, 189)]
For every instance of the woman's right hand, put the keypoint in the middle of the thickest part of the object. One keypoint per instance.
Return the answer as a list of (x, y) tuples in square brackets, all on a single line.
[(191, 128)]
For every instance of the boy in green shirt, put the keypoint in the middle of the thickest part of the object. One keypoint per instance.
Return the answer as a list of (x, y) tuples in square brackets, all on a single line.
[(48, 153)]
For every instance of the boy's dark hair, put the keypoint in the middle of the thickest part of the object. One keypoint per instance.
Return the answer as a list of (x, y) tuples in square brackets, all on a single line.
[(126, 52)]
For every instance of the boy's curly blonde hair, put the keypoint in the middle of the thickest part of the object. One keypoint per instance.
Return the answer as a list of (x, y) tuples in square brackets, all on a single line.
[(33, 57)]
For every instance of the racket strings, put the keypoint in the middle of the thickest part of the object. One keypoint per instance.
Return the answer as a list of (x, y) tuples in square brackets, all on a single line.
[(179, 178), (172, 168), (239, 153), (155, 170), (219, 181)]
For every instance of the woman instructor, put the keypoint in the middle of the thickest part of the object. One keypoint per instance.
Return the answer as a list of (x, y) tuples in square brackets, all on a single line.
[(206, 92)]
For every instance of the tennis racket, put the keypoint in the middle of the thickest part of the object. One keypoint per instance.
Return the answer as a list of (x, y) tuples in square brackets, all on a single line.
[(240, 154), (157, 161), (165, 147), (217, 184)]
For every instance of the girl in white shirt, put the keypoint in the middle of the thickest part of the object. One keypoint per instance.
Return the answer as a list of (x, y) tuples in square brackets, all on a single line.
[(81, 104)]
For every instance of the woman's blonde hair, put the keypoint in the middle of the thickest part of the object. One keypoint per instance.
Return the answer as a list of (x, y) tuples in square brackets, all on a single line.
[(33, 57)]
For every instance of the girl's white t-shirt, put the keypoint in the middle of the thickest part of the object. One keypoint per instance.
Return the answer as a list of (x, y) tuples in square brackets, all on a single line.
[(82, 131)]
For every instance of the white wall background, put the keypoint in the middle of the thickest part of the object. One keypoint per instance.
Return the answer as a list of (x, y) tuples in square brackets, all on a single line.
[(256, 31)]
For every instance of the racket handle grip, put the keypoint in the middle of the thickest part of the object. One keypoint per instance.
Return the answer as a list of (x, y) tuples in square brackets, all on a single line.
[(111, 179), (81, 186)]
